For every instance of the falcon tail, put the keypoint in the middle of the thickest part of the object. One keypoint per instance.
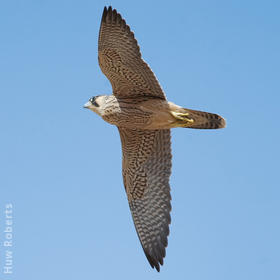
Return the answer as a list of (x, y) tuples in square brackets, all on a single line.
[(198, 119)]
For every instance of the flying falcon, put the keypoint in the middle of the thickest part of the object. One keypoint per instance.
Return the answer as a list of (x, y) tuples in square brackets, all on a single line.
[(144, 117)]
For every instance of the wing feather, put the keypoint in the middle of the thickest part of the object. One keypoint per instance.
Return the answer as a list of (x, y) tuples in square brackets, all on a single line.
[(120, 59), (146, 172)]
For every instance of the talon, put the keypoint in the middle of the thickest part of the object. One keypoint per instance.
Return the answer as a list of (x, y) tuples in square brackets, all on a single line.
[(182, 117)]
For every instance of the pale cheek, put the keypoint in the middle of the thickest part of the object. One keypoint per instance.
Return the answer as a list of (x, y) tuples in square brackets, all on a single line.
[(93, 110), (96, 110)]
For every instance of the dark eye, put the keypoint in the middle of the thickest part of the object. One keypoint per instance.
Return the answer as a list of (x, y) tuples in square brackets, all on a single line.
[(93, 101)]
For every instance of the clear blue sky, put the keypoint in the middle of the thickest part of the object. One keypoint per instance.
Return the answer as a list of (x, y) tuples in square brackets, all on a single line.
[(61, 164)]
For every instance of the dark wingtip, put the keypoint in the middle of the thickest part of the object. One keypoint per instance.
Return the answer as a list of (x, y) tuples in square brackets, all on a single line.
[(105, 11), (109, 15), (153, 262)]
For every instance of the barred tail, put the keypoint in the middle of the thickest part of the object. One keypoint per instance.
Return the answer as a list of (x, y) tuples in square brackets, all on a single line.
[(198, 119)]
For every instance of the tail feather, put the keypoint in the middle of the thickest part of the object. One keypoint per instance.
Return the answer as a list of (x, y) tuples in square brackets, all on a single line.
[(198, 119)]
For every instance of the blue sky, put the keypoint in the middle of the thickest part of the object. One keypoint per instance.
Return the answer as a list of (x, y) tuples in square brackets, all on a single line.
[(61, 165)]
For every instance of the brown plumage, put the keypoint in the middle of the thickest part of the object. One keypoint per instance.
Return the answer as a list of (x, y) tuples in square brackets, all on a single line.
[(138, 107), (146, 171), (120, 59)]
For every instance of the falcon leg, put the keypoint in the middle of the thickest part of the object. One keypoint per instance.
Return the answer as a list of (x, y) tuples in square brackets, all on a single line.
[(182, 119)]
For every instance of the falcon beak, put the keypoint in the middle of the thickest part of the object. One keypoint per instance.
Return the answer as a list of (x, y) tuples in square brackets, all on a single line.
[(87, 105)]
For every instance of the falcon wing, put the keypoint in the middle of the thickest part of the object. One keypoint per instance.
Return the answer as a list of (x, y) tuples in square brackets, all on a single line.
[(120, 59), (146, 172)]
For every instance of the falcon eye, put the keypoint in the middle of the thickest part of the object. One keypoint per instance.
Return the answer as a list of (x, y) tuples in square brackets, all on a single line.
[(93, 101)]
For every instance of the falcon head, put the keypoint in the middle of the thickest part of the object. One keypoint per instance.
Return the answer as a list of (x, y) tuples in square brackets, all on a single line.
[(96, 103)]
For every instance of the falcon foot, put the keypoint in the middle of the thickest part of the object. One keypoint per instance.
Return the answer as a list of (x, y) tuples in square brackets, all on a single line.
[(182, 119)]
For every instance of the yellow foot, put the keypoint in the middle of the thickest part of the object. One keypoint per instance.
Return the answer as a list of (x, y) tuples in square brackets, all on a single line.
[(182, 117)]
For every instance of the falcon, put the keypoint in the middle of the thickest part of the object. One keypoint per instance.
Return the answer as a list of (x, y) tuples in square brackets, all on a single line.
[(144, 117)]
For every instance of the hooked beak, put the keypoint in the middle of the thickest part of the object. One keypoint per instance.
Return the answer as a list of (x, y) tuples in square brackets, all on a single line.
[(87, 105)]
